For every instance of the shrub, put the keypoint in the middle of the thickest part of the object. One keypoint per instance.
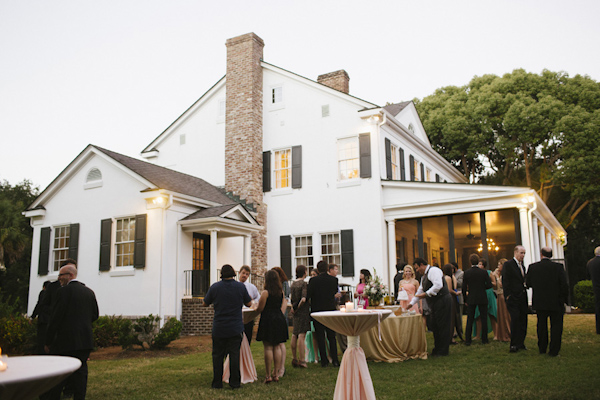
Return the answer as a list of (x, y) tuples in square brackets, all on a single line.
[(17, 334), (584, 296), (107, 330), (169, 332)]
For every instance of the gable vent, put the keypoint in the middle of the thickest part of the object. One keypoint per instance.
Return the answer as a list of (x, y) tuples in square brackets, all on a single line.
[(94, 175)]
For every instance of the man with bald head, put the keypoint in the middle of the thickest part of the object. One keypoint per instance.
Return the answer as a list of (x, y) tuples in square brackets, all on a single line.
[(513, 281), (550, 290), (593, 267), (70, 329)]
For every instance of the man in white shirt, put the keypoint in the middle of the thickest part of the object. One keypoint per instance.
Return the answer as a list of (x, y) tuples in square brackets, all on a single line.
[(434, 290), (254, 295)]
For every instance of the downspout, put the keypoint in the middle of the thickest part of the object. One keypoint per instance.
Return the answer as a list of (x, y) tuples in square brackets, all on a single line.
[(162, 246), (389, 276)]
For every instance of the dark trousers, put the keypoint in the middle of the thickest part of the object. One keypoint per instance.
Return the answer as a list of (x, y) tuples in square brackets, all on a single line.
[(441, 323), (597, 298), (41, 338), (471, 320), (223, 346), (77, 380), (248, 329), (320, 331), (517, 308), (556, 328), (458, 320)]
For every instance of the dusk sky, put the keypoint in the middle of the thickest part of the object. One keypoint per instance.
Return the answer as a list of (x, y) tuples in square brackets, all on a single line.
[(117, 73)]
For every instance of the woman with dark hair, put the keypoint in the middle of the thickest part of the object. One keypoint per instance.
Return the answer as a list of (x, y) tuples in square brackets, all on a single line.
[(363, 298), (448, 271), (272, 328), (286, 295), (301, 317)]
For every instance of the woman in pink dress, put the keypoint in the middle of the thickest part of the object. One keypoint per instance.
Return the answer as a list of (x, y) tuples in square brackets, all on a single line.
[(363, 298), (410, 285)]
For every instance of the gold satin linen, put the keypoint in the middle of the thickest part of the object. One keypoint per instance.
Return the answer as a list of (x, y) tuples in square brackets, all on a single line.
[(402, 338)]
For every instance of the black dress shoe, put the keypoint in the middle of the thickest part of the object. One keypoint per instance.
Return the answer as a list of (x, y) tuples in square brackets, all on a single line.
[(467, 343), (523, 347), (513, 349), (324, 365), (335, 363)]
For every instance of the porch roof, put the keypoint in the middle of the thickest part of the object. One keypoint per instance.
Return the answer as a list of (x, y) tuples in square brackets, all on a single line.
[(229, 220)]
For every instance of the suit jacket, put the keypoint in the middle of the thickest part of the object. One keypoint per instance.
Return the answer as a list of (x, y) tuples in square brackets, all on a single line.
[(321, 292), (593, 269), (549, 283), (512, 281), (475, 283), (70, 326)]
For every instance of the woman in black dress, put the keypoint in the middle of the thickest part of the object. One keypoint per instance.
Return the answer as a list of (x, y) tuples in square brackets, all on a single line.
[(272, 328), (301, 317)]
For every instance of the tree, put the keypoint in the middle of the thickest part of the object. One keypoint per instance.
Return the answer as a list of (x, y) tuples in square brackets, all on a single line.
[(15, 242), (522, 129)]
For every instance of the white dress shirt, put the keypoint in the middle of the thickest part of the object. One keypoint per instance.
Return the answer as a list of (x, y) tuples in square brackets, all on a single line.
[(436, 276), (252, 291)]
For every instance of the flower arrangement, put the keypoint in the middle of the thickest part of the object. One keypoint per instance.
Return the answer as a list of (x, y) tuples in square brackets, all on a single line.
[(375, 290)]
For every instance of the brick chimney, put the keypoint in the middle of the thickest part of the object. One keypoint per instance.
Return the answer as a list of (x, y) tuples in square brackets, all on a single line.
[(338, 80), (243, 132)]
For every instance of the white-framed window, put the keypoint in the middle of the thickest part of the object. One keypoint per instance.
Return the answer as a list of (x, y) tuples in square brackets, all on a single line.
[(277, 94), (348, 158), (60, 248), (395, 164), (283, 168), (427, 174), (304, 250), (417, 168), (330, 248), (124, 241)]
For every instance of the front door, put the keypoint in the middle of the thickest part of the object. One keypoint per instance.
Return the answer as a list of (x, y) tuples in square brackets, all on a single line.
[(201, 265)]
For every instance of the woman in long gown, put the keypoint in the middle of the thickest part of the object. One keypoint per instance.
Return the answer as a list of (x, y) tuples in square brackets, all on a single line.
[(503, 329), (410, 285), (301, 317), (272, 328), (451, 283), (363, 298), (492, 307)]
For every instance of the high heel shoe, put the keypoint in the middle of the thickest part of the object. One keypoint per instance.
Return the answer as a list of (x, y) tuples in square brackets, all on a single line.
[(295, 363), (268, 380)]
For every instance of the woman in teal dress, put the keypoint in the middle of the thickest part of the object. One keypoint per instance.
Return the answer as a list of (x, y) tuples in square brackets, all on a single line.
[(492, 307)]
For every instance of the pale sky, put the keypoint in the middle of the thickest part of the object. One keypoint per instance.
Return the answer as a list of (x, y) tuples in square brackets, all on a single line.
[(116, 73)]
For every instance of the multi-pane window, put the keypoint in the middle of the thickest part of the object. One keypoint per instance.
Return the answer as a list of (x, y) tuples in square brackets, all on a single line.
[(428, 175), (348, 160), (62, 235), (283, 165), (125, 241), (304, 251), (395, 167), (330, 248), (277, 94), (417, 167)]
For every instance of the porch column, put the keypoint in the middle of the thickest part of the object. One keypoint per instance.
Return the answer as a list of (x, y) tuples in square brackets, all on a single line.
[(542, 236), (536, 239), (247, 250), (525, 234), (213, 256), (554, 248), (391, 252), (548, 239)]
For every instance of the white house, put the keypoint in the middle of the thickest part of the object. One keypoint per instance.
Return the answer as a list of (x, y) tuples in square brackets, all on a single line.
[(299, 170)]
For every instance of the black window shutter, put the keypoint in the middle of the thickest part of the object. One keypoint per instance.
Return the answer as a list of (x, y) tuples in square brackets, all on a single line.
[(347, 242), (437, 178), (44, 251), (422, 172), (402, 167), (105, 236), (388, 158), (411, 162), (296, 167), (364, 146), (74, 241), (285, 251), (266, 171), (139, 252)]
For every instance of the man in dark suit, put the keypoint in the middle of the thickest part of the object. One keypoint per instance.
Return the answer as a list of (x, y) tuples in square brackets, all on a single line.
[(434, 290), (398, 277), (321, 294), (475, 282), (593, 267), (70, 328), (513, 281), (550, 290)]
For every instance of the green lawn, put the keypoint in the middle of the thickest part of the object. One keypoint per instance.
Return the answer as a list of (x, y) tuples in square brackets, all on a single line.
[(476, 372)]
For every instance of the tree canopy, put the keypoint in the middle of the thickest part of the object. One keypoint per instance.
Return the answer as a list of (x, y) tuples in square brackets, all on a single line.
[(522, 129)]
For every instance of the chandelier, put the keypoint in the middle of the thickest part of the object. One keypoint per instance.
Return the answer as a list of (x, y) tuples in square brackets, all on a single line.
[(491, 246)]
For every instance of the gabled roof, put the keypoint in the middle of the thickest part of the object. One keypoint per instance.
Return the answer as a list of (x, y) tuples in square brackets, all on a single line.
[(395, 109), (165, 178), (210, 212)]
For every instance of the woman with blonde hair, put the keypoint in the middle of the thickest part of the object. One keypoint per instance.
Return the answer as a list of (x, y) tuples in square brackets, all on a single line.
[(409, 285)]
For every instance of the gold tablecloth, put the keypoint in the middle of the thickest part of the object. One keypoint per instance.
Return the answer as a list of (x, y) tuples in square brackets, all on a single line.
[(402, 338)]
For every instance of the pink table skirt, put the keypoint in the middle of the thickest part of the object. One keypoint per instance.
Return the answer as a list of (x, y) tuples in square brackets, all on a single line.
[(247, 368)]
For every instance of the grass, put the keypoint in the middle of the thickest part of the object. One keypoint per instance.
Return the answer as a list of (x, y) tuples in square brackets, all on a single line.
[(475, 372)]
